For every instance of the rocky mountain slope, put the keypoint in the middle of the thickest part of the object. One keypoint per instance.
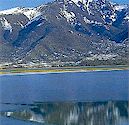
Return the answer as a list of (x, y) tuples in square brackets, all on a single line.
[(70, 32)]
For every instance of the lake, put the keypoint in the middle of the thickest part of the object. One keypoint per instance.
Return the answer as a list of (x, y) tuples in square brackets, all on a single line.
[(81, 98)]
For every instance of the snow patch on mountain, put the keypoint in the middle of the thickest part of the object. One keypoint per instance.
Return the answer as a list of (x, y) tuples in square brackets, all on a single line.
[(5, 24), (32, 13), (28, 12), (127, 18), (82, 1), (109, 16), (113, 17), (87, 21), (70, 16), (86, 4), (120, 7), (11, 11)]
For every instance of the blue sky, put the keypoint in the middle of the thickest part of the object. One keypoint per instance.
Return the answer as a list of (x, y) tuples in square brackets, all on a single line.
[(121, 1), (6, 4)]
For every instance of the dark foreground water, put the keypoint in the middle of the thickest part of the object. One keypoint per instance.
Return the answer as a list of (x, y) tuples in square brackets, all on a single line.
[(93, 98)]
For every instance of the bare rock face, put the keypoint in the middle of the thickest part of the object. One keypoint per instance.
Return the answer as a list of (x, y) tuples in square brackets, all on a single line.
[(83, 32)]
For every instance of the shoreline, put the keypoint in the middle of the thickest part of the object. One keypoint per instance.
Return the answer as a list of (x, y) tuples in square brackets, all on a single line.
[(32, 72)]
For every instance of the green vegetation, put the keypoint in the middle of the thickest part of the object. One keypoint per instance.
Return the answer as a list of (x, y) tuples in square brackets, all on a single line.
[(63, 69)]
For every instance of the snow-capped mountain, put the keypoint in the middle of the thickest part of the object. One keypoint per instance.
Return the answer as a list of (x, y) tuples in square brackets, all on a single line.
[(78, 31)]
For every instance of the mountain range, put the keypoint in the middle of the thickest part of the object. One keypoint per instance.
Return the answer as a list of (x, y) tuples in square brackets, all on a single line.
[(65, 33)]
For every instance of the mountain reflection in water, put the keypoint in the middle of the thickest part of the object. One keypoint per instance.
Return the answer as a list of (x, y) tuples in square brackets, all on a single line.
[(72, 113)]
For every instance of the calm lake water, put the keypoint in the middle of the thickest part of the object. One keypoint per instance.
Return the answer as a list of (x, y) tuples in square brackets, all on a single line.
[(92, 98)]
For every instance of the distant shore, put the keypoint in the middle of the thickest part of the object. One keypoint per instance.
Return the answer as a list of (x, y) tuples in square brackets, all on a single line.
[(17, 71)]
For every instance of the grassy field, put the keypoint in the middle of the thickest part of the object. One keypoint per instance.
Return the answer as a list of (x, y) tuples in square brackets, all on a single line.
[(62, 69)]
